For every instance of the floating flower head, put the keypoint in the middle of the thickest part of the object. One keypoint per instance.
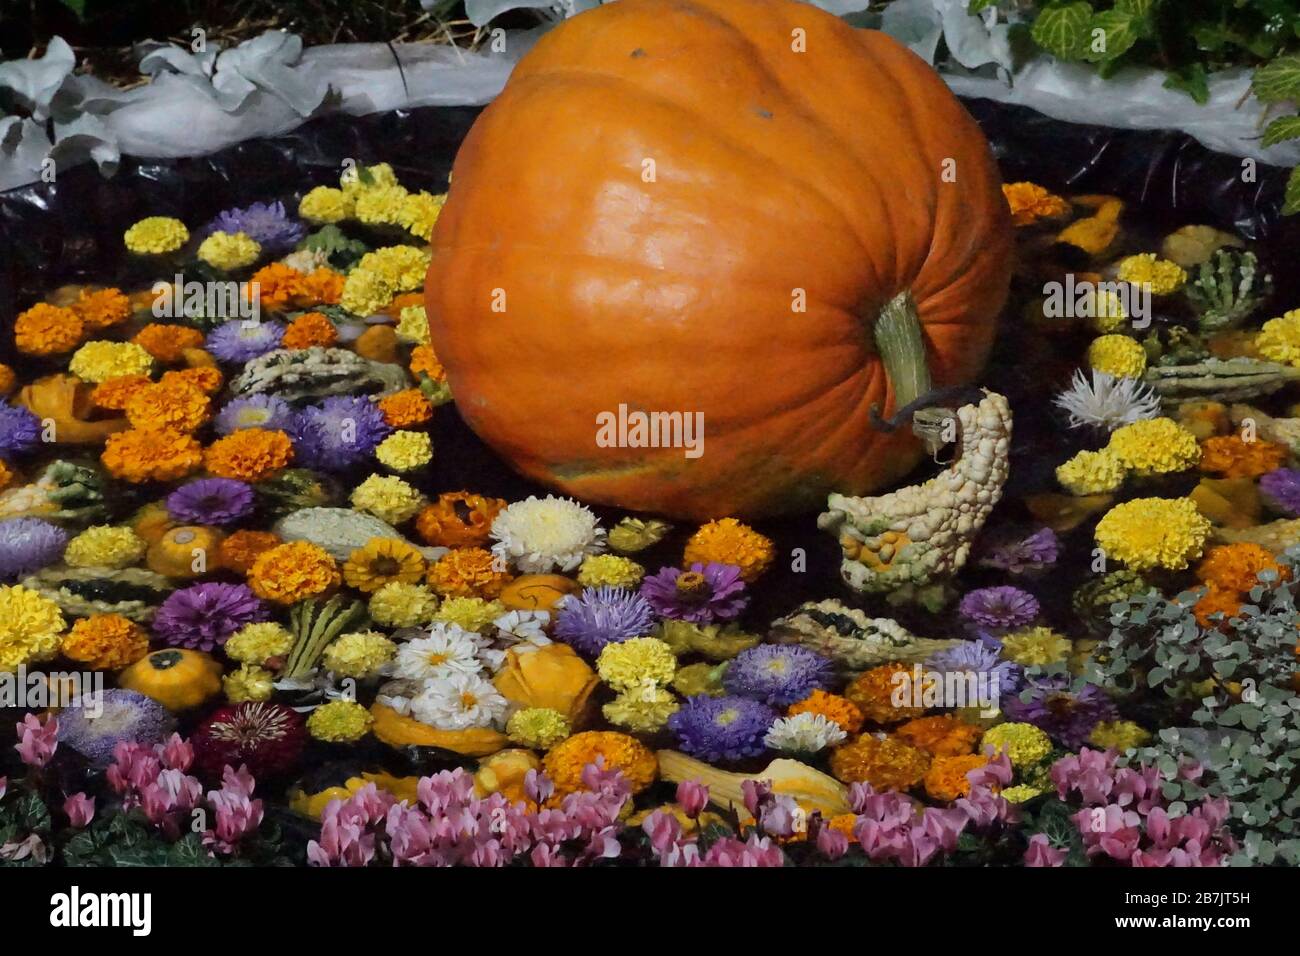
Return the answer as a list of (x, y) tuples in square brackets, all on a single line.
[(266, 738), (229, 251), (777, 674), (459, 701), (1118, 356), (265, 223), (95, 724), (541, 534), (1150, 533), (728, 541), (388, 498), (701, 595), (885, 763), (340, 432), (339, 721), (601, 616), (27, 545), (1106, 402), (254, 411), (204, 615), (105, 642), (1036, 647), (978, 659), (1228, 456), (1281, 490), (540, 728), (1000, 607), (99, 361), (20, 430), (1279, 340), (293, 572), (1147, 269), (239, 341), (211, 501), (717, 729), (1017, 555), (636, 663), (446, 651), (105, 546), (1157, 446), (31, 626), (1024, 744), (1066, 715), (610, 569), (383, 561), (250, 454), (804, 733), (1092, 473), (567, 761), (156, 235)]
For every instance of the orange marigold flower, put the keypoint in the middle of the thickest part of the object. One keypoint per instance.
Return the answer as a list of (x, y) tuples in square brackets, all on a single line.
[(424, 359), (322, 287), (458, 519), (174, 406), (240, 549), (102, 308), (1236, 567), (6, 475), (167, 342), (940, 736), (837, 709), (567, 759), (885, 763), (206, 378), (884, 693), (47, 330), (844, 823), (406, 408), (7, 380), (1217, 600), (1230, 457), (403, 301), (250, 454), (276, 285), (310, 328), (106, 642), (946, 778), (468, 572), (1030, 202), (138, 456), (293, 572), (114, 393)]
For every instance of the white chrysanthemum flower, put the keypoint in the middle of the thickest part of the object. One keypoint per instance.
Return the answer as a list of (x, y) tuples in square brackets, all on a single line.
[(459, 702), (804, 733), (544, 534), (523, 627), (446, 651), (306, 261), (1107, 402)]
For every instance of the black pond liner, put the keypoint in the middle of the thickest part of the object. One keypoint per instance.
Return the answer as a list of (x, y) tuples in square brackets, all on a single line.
[(70, 231)]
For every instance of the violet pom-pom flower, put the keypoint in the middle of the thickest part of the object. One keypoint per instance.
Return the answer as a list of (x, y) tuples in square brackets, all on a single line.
[(29, 544), (264, 223), (704, 594), (239, 341), (1281, 490), (20, 430), (777, 674), (94, 724), (717, 729), (1023, 555), (600, 616), (202, 616), (254, 411), (1002, 607), (340, 432), (1066, 716), (215, 501), (981, 659)]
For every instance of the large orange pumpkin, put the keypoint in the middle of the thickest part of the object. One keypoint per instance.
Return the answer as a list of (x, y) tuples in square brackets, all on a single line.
[(706, 206)]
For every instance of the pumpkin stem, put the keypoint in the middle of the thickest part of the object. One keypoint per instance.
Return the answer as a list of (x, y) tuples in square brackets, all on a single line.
[(897, 332)]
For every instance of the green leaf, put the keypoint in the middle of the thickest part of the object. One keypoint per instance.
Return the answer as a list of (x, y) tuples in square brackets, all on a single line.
[(1137, 8), (1062, 30), (1291, 204), (76, 6), (1278, 81), (1192, 80), (975, 6), (1114, 32)]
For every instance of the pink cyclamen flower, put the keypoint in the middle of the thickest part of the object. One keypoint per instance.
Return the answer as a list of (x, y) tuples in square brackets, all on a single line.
[(692, 797), (80, 809), (176, 753), (1041, 853), (36, 741), (831, 843)]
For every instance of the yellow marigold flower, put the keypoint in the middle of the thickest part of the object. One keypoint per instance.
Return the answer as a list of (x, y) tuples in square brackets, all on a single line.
[(1021, 793), (946, 778), (366, 293), (425, 361), (1279, 339), (403, 605), (172, 406), (403, 266), (413, 325), (250, 454), (1092, 473), (643, 711), (873, 692), (609, 569), (405, 450), (406, 408), (885, 763), (248, 682), (566, 760), (105, 642), (359, 654), (156, 235), (420, 212), (99, 361), (838, 710), (1035, 647), (1030, 202), (293, 572), (728, 541), (1155, 446), (634, 664), (166, 343), (1146, 269), (1118, 735), (380, 205), (1108, 314), (102, 308), (339, 721), (537, 727), (1150, 533), (388, 498), (138, 456), (1025, 744), (229, 251), (468, 572), (383, 561), (355, 179), (105, 546), (474, 614), (1117, 355), (30, 627), (47, 330), (258, 643), (939, 736), (309, 329), (325, 204), (1230, 457)]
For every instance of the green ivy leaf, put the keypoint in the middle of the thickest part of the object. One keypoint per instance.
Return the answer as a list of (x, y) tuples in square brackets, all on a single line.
[(1062, 30), (1118, 33), (1278, 81), (1291, 205)]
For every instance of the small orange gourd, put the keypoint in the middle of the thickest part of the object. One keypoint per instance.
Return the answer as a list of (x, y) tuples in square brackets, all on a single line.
[(177, 678)]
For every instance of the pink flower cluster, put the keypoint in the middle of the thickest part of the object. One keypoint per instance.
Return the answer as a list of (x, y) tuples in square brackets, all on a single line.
[(1124, 816), (774, 816), (451, 826), (36, 741), (155, 780)]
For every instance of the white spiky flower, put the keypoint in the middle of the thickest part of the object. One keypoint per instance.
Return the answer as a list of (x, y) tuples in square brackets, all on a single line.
[(542, 534), (1107, 402), (804, 733)]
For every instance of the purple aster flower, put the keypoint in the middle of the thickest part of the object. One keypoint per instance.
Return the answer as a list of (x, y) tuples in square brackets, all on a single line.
[(601, 616), (717, 729), (1021, 555), (202, 616), (704, 594), (254, 411), (1281, 490), (239, 341), (340, 432), (211, 501), (20, 430), (1000, 607), (95, 723), (264, 223), (1065, 715), (777, 674), (29, 544), (982, 660)]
